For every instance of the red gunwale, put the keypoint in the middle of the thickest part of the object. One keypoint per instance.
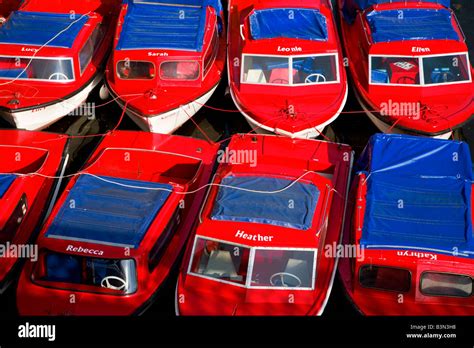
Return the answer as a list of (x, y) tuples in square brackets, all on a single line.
[(155, 96), (284, 158), (34, 94), (452, 104), (379, 302), (41, 154), (315, 104), (154, 152)]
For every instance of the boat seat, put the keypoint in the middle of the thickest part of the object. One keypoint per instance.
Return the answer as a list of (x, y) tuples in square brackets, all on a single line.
[(299, 268), (380, 76), (256, 76), (280, 76), (438, 75), (220, 264)]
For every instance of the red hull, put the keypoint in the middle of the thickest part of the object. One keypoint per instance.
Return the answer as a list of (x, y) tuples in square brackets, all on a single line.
[(197, 295), (152, 158), (23, 153)]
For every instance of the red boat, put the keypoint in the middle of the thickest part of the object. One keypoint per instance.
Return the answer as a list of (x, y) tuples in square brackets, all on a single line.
[(411, 228), (119, 227), (410, 65), (52, 55), (168, 59), (285, 65), (266, 234), (30, 162)]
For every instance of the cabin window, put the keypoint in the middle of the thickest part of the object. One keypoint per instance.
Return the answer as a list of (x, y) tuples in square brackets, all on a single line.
[(135, 70), (179, 70), (446, 69), (266, 70), (211, 53), (283, 268), (8, 232), (395, 70), (385, 278), (314, 69), (223, 261), (90, 48), (444, 284), (301, 70), (115, 276), (161, 244), (44, 69)]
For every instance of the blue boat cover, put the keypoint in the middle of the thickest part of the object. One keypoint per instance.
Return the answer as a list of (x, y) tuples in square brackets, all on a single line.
[(413, 24), (106, 212), (42, 29), (350, 7), (293, 207), (165, 24), (6, 180), (418, 194), (290, 23)]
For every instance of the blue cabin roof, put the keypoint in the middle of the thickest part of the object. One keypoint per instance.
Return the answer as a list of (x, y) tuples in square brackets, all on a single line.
[(411, 24), (236, 202), (6, 180), (418, 195), (42, 29), (290, 23), (102, 210), (165, 24), (350, 7)]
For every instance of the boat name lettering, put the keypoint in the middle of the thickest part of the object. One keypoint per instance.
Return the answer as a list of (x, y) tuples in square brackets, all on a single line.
[(418, 255), (254, 237), (157, 54), (84, 250), (289, 49), (420, 49), (29, 49)]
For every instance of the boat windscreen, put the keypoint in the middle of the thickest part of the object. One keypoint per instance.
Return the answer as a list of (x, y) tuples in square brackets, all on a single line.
[(266, 200), (109, 211), (411, 24), (290, 23), (42, 29), (5, 182)]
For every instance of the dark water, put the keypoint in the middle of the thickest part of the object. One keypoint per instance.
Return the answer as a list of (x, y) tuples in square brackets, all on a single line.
[(350, 128)]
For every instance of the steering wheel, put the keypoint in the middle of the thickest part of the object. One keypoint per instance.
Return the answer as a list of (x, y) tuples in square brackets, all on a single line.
[(318, 76), (282, 81), (106, 283), (281, 276), (406, 80), (58, 76)]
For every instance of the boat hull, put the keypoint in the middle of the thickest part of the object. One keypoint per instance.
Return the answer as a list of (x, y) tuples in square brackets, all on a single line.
[(41, 117)]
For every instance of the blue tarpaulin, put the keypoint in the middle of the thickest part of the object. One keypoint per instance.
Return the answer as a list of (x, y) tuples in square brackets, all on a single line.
[(411, 24), (5, 182), (291, 23), (350, 7), (105, 212), (165, 24), (41, 28), (292, 208), (418, 194)]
